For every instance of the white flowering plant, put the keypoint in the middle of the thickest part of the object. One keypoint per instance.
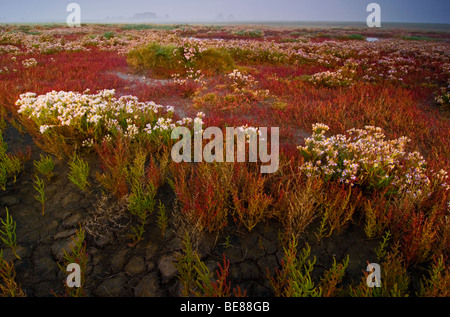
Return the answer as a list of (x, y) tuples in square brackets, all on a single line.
[(30, 62), (95, 118), (341, 77), (240, 81), (442, 96), (364, 157)]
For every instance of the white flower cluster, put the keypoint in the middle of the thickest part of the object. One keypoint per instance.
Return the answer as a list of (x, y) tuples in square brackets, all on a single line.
[(366, 158), (191, 48), (195, 75), (9, 49), (332, 79), (249, 132), (442, 96), (97, 115), (198, 123), (241, 81), (30, 62)]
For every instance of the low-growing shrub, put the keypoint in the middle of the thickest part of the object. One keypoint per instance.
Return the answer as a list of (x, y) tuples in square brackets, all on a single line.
[(161, 59), (166, 60), (214, 61), (355, 37), (69, 119), (366, 159)]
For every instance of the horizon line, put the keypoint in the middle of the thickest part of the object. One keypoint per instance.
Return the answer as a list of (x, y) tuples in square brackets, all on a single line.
[(191, 21)]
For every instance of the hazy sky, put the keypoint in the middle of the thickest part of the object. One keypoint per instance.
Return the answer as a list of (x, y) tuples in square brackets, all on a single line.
[(428, 11)]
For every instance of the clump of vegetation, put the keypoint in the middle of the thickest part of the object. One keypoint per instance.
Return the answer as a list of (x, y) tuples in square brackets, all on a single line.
[(442, 97), (79, 172), (214, 61), (358, 37), (197, 279), (299, 205), (141, 205), (166, 60), (141, 27), (250, 202), (418, 38), (437, 284), (161, 59), (10, 165), (79, 256), (203, 193), (185, 266), (8, 233), (337, 210), (162, 220), (294, 278), (141, 201), (331, 278), (366, 158), (40, 188), (45, 166), (394, 279), (109, 35), (8, 284), (250, 33)]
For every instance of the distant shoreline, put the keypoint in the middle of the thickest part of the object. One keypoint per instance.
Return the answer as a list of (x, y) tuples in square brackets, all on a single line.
[(440, 27)]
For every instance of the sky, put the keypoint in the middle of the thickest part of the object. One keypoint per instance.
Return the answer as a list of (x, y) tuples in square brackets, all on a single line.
[(414, 11)]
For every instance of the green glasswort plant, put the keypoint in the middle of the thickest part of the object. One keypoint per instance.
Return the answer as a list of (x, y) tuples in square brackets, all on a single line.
[(438, 282), (77, 255), (294, 278), (395, 279), (332, 277), (45, 166), (162, 218), (10, 165), (218, 287), (141, 203), (8, 233), (8, 285), (79, 172), (39, 187), (185, 266), (197, 279)]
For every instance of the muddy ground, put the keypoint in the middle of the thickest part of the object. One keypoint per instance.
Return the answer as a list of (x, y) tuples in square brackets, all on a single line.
[(147, 269)]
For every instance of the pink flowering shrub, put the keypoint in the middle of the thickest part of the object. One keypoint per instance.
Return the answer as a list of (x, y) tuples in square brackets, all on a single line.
[(364, 157)]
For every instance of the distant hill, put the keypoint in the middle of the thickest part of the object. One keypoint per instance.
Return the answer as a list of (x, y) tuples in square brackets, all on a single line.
[(145, 16)]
